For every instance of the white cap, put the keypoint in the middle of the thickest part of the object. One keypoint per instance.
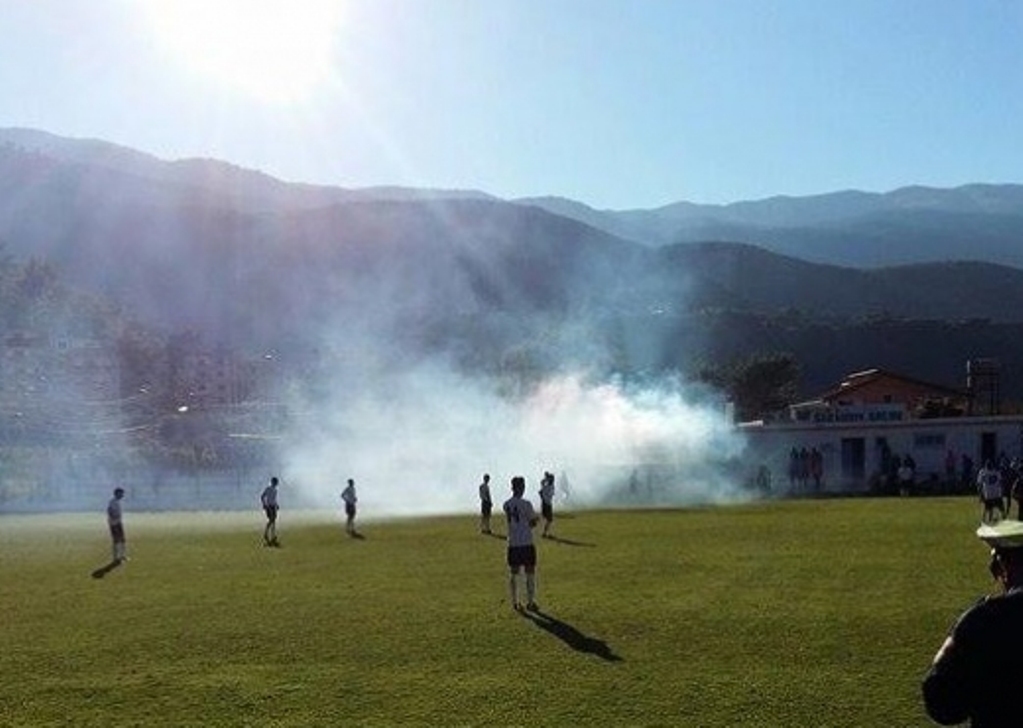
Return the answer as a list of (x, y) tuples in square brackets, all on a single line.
[(1005, 534)]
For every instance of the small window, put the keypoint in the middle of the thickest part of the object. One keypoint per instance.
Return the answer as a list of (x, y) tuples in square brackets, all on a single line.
[(929, 440)]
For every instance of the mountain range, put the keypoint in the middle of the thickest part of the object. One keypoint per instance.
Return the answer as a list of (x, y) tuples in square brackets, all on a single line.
[(259, 263), (849, 228)]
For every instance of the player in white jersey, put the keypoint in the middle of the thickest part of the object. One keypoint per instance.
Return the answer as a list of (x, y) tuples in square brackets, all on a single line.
[(486, 504), (521, 518), (116, 527), (349, 497), (268, 499), (547, 502), (989, 486)]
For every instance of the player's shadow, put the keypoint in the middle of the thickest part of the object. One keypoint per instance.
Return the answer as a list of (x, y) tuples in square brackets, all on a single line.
[(573, 637), (106, 569), (570, 542), (493, 534)]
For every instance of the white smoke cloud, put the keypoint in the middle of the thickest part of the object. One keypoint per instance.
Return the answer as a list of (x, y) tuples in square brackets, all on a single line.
[(418, 443)]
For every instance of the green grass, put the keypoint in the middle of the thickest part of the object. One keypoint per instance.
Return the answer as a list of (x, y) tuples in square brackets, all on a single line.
[(797, 613)]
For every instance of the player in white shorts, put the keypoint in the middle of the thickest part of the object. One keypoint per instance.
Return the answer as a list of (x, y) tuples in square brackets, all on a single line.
[(521, 518)]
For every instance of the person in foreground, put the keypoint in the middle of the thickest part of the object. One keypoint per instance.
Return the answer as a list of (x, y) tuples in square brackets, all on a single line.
[(979, 667), (521, 517)]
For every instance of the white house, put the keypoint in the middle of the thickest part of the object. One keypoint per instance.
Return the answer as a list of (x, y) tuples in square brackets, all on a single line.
[(873, 418)]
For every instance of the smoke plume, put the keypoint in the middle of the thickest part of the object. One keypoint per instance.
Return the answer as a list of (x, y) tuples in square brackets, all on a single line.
[(420, 441)]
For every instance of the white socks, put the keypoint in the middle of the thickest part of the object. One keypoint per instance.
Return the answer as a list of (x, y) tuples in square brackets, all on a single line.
[(513, 589)]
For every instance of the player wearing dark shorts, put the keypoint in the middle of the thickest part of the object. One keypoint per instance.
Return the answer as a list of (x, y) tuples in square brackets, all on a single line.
[(521, 557), (547, 502), (268, 499), (116, 527), (521, 519), (486, 504), (351, 499)]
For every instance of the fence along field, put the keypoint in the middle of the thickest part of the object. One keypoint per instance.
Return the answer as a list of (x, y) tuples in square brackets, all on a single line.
[(819, 613)]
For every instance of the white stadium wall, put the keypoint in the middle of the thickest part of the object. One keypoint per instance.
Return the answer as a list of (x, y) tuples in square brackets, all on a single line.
[(852, 453)]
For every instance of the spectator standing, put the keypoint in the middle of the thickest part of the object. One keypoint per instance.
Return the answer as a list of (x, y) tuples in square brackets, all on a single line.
[(793, 468), (804, 469), (1017, 494), (816, 468), (966, 471), (1008, 477), (977, 672), (906, 475)]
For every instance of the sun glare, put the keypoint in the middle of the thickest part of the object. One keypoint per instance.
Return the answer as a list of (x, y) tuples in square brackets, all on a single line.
[(279, 51)]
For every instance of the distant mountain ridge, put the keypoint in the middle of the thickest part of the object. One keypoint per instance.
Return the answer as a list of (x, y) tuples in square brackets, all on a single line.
[(246, 188), (79, 201), (256, 263), (850, 228), (915, 224)]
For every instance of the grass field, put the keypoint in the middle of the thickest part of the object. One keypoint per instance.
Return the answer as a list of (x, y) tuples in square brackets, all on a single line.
[(793, 613)]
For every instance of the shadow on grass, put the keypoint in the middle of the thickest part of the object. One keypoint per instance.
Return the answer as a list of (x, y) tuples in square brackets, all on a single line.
[(106, 569), (492, 534), (357, 536), (568, 541), (573, 637)]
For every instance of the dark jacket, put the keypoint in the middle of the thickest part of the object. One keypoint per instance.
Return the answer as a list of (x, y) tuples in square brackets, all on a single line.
[(978, 674)]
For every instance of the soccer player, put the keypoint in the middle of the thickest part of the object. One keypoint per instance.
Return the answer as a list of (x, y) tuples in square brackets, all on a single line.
[(989, 487), (978, 669), (350, 499), (116, 527), (521, 518), (547, 502), (486, 504), (268, 498)]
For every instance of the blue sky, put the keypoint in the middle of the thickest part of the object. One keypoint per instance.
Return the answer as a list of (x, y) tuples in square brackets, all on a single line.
[(615, 103)]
